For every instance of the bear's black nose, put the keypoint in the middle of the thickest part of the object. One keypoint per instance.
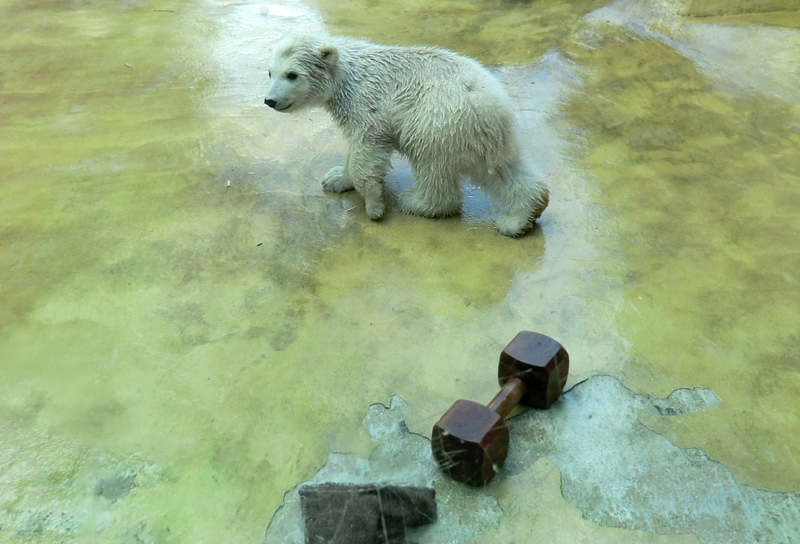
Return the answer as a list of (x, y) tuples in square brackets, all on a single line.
[(269, 102)]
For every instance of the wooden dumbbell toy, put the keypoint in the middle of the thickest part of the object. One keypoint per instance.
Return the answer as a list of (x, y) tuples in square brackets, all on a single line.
[(470, 441)]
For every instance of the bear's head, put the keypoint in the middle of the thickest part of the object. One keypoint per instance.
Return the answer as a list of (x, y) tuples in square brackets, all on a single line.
[(301, 70)]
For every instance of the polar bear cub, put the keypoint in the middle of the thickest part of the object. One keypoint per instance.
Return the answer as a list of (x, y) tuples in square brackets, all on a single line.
[(446, 113)]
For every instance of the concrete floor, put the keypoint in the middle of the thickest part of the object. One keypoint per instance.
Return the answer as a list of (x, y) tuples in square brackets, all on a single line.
[(177, 353)]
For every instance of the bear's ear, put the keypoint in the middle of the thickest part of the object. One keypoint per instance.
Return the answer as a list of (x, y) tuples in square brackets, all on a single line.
[(329, 55)]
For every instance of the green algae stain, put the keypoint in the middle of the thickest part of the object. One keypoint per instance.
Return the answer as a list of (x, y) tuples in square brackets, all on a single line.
[(705, 188), (494, 32), (94, 123), (109, 230)]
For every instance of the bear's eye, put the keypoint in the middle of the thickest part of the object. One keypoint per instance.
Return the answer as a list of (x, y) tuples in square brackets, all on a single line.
[(269, 73), (291, 75)]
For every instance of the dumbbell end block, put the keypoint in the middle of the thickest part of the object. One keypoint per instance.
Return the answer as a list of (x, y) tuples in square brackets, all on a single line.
[(470, 442), (540, 362)]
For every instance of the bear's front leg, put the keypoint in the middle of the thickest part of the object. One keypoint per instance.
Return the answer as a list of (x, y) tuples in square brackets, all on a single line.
[(367, 164)]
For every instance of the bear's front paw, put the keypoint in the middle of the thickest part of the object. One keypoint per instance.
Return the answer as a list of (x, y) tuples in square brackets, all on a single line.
[(337, 180)]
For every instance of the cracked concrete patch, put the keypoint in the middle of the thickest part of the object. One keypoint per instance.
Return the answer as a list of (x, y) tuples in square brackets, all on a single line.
[(686, 401), (534, 511), (619, 473)]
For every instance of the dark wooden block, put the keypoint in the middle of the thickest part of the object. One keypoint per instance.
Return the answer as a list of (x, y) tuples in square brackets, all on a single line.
[(539, 361)]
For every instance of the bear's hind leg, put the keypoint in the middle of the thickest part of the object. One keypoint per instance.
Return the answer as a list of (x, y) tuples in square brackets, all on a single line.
[(436, 192), (521, 193)]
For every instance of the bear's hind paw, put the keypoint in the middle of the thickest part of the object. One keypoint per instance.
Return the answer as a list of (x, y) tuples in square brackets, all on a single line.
[(514, 226)]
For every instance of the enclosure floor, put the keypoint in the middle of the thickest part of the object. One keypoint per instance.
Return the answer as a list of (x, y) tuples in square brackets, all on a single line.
[(189, 324)]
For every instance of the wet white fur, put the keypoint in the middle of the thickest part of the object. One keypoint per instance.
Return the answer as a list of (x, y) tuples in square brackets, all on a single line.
[(445, 112)]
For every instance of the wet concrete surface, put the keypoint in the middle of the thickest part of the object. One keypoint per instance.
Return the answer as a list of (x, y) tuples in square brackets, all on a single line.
[(176, 352)]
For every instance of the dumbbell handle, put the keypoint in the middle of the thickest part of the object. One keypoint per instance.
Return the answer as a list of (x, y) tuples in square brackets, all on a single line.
[(508, 397)]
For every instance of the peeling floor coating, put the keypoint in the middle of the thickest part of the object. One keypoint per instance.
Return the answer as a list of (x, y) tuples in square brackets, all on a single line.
[(175, 354), (638, 479)]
